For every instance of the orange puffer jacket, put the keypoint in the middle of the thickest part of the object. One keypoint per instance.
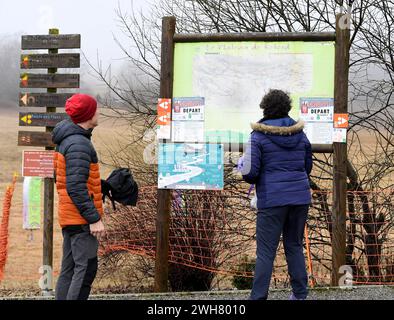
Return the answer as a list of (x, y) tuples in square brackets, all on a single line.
[(77, 175)]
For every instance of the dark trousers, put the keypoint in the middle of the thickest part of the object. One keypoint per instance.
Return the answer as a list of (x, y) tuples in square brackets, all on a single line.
[(79, 264), (271, 223)]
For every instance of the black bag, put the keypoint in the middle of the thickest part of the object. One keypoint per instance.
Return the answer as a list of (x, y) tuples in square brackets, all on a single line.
[(120, 187)]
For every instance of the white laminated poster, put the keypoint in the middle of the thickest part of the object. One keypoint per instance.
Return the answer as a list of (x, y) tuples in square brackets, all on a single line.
[(188, 119), (317, 109), (187, 131), (319, 132), (188, 109), (318, 115), (339, 135), (163, 132)]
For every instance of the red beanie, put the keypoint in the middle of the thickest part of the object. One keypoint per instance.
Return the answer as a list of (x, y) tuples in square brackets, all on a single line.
[(81, 107)]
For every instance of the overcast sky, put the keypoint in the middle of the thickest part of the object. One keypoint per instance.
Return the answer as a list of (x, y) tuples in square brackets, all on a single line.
[(95, 20)]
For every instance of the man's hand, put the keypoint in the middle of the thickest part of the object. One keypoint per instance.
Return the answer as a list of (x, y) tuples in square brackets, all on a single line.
[(97, 229)]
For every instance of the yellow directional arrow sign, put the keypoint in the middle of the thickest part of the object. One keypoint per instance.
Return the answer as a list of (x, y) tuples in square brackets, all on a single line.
[(26, 119)]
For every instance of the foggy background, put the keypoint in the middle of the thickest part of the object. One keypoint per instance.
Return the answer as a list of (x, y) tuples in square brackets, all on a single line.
[(98, 23), (95, 20)]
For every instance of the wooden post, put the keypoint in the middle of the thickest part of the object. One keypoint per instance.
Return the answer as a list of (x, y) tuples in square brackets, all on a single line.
[(340, 151), (47, 256), (164, 196)]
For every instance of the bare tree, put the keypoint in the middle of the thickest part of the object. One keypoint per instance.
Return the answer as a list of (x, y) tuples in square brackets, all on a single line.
[(371, 89)]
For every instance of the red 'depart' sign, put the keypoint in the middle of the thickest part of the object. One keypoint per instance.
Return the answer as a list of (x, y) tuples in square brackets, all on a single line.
[(38, 164)]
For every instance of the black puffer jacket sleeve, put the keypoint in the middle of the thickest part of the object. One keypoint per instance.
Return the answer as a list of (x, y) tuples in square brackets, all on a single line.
[(78, 158)]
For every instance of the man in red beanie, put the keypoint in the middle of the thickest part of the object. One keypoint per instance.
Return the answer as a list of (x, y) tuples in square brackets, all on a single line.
[(78, 184)]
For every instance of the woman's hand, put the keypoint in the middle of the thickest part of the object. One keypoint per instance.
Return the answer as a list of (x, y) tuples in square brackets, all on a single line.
[(240, 164)]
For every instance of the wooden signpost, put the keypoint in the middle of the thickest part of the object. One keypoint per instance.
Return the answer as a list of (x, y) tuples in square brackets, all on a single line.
[(56, 80), (46, 100), (50, 101), (51, 41), (33, 119), (34, 139), (39, 61)]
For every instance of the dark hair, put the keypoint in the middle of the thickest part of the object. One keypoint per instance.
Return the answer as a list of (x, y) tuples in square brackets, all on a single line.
[(276, 104)]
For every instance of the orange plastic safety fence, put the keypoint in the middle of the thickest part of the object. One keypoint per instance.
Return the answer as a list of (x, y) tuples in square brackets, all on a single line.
[(4, 226), (214, 231)]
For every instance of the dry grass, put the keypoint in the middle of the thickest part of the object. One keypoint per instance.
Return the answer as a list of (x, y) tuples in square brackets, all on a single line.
[(25, 254)]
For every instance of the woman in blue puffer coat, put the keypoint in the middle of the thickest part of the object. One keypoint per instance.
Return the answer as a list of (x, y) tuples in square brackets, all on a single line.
[(278, 160)]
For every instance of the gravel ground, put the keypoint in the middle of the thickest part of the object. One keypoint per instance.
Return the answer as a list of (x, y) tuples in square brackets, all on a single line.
[(355, 293)]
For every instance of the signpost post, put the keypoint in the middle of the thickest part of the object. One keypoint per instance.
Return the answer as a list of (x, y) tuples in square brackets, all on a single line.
[(340, 155), (50, 101), (164, 196), (47, 253)]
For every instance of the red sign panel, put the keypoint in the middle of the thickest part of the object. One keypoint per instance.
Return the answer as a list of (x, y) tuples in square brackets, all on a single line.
[(38, 164)]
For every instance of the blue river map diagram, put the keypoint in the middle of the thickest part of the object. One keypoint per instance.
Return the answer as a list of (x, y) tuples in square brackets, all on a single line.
[(190, 166)]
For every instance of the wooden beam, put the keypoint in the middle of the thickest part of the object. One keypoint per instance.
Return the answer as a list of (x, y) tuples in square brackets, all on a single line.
[(322, 148), (340, 153), (45, 61), (254, 36), (164, 196), (240, 147), (52, 41)]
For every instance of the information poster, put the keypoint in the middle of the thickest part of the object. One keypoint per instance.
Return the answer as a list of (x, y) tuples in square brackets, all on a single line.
[(339, 135), (187, 131), (191, 166), (234, 76), (188, 119), (318, 115), (37, 163)]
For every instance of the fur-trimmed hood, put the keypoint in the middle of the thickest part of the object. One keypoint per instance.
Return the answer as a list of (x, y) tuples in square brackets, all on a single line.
[(278, 130), (284, 132)]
